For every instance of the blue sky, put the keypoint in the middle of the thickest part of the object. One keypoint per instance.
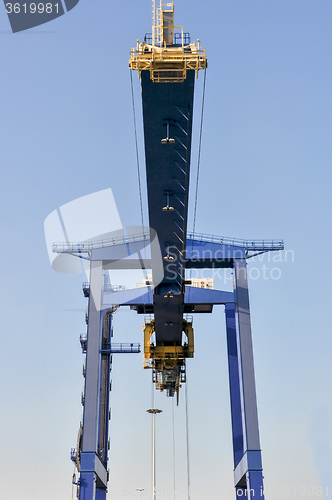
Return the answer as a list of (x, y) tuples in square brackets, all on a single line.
[(67, 131)]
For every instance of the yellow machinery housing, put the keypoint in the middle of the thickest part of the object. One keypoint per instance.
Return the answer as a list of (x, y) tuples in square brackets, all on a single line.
[(166, 61), (168, 361)]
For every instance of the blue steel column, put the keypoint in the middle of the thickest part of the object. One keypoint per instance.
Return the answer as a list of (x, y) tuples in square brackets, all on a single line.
[(87, 486), (248, 474), (105, 369), (92, 471), (101, 493), (234, 388)]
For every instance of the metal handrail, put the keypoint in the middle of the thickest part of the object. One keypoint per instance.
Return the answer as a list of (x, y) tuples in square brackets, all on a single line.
[(237, 242), (90, 245), (108, 287), (123, 347), (115, 288)]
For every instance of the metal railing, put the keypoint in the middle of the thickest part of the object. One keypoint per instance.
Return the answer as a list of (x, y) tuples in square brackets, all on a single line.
[(107, 288), (83, 342), (237, 242), (73, 455), (115, 288), (86, 247), (148, 38), (177, 38), (112, 347), (121, 348)]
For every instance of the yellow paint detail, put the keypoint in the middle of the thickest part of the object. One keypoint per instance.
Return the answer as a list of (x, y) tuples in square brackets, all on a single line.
[(166, 62)]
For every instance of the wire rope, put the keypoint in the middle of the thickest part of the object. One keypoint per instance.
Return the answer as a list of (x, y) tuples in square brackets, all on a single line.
[(137, 155), (173, 427), (199, 152), (198, 168), (187, 441), (152, 438)]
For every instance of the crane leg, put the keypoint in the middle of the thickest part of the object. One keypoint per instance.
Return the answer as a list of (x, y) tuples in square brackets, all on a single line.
[(234, 384), (88, 489), (255, 482), (87, 486), (101, 494), (93, 457), (248, 473)]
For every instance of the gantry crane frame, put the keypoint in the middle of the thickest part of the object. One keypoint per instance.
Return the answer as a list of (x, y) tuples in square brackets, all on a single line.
[(167, 73), (203, 252)]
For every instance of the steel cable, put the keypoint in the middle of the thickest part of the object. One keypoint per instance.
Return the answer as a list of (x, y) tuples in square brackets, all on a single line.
[(137, 155), (199, 153), (173, 427), (198, 168), (187, 441)]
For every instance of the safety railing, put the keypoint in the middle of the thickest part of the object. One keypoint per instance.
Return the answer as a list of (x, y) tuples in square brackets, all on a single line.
[(112, 348), (237, 242), (86, 247), (179, 39), (114, 288), (121, 348), (73, 455), (83, 342), (107, 288)]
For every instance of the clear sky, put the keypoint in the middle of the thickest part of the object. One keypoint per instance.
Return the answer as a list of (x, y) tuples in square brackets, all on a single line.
[(66, 127)]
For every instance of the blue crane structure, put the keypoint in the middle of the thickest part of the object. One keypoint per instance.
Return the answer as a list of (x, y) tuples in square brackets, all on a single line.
[(167, 63)]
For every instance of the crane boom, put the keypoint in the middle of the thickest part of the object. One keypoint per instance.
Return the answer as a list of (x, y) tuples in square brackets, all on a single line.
[(166, 68)]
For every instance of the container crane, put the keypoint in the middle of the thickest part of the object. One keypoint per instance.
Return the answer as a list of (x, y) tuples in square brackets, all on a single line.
[(167, 63)]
